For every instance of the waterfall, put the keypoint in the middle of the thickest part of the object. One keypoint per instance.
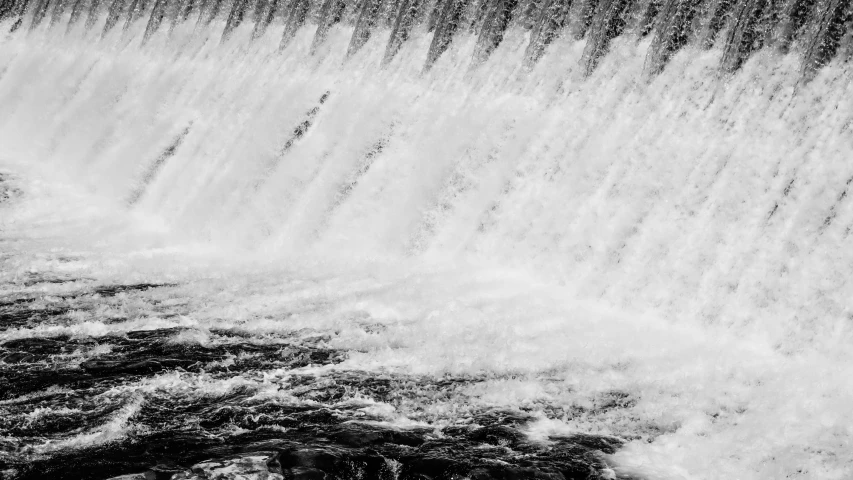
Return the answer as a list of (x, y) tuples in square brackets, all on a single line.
[(688, 160), (716, 188)]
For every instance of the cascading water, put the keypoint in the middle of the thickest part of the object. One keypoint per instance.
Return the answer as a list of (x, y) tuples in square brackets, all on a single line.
[(411, 239)]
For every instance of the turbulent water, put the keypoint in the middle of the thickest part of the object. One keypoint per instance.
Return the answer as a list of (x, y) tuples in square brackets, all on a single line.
[(488, 268)]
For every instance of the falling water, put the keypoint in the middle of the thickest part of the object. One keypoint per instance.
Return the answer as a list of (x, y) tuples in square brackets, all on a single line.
[(627, 219)]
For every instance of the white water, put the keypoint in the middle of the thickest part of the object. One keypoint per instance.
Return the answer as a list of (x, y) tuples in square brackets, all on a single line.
[(564, 237)]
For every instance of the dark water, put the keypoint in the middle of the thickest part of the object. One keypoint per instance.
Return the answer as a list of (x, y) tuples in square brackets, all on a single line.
[(319, 429)]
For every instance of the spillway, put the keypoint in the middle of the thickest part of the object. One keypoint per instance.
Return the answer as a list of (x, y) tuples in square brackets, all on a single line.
[(422, 239)]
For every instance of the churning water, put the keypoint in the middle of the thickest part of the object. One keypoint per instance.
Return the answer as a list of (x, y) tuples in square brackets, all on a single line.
[(586, 256)]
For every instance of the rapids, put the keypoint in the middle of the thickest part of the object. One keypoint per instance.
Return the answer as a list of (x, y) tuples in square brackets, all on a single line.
[(664, 260)]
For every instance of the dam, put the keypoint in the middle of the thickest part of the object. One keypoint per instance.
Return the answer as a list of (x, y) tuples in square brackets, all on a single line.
[(415, 239)]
